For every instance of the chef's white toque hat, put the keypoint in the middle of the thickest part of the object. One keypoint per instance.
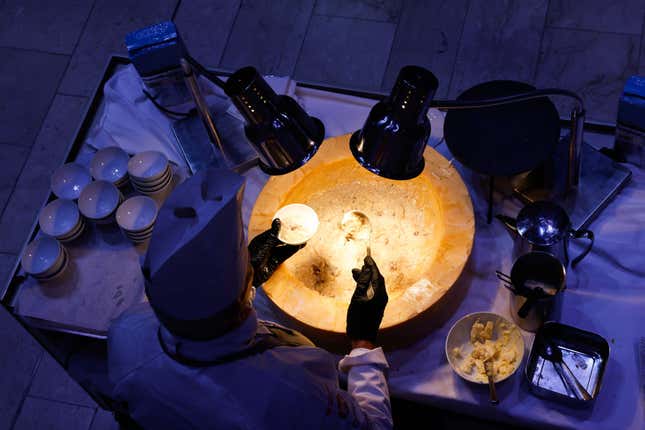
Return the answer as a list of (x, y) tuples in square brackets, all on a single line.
[(197, 265)]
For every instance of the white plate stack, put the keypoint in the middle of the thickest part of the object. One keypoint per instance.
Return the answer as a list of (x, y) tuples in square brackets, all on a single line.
[(136, 217), (150, 173), (45, 259), (61, 219)]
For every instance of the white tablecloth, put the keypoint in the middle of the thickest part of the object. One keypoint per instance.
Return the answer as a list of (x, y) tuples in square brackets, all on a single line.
[(605, 295)]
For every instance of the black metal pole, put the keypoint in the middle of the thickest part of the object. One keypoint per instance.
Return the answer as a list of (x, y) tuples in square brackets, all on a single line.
[(491, 188)]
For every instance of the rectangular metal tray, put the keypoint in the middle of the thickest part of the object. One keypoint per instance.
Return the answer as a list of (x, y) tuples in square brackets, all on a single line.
[(584, 352)]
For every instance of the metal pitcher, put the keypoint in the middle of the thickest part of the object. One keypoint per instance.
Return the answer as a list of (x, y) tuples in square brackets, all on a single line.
[(545, 226), (536, 281)]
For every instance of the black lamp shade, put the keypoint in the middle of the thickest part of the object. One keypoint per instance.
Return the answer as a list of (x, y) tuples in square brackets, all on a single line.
[(284, 135), (393, 138)]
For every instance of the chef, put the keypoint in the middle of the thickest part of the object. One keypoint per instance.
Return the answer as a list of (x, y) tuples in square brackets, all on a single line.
[(198, 357)]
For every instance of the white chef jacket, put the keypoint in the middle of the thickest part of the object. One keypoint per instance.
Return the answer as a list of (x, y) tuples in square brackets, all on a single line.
[(284, 387)]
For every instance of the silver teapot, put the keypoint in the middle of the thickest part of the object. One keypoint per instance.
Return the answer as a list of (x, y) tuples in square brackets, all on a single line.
[(544, 226)]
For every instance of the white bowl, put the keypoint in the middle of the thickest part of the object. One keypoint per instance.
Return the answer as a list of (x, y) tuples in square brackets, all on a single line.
[(99, 199), (139, 238), (459, 338), (69, 180), (147, 166), (144, 233), (137, 214), (139, 241), (136, 236), (42, 257), (140, 232), (298, 223), (153, 191), (59, 218), (58, 271), (163, 181), (110, 164), (73, 235)]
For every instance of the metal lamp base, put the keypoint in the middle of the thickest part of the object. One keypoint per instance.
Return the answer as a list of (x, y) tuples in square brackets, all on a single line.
[(601, 179)]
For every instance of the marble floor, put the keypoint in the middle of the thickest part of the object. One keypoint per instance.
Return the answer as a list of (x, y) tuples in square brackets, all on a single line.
[(54, 53)]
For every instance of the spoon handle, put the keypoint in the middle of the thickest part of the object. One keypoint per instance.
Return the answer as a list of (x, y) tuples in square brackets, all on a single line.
[(571, 381), (491, 385), (493, 394)]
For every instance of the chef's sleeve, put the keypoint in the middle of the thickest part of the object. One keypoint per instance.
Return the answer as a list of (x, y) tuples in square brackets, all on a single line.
[(367, 384)]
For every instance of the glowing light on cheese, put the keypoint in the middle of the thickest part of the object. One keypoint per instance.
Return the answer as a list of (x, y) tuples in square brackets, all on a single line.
[(298, 223), (421, 236)]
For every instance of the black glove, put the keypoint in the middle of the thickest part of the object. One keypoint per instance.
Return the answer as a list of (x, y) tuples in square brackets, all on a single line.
[(268, 252), (368, 302)]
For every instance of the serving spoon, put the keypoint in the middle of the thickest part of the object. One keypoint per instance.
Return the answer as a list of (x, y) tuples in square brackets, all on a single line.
[(357, 226), (488, 365)]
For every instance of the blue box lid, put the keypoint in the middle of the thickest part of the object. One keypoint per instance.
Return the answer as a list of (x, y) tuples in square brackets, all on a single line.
[(155, 34), (635, 86), (155, 49)]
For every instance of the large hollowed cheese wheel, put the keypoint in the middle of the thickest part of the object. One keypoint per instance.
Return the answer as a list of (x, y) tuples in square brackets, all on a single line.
[(422, 234)]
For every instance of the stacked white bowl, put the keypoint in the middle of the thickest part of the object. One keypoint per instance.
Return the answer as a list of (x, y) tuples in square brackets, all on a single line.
[(150, 173), (99, 200), (110, 164), (69, 180), (61, 219), (136, 217), (45, 259)]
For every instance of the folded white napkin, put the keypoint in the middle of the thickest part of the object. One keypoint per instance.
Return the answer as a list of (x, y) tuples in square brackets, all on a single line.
[(132, 122)]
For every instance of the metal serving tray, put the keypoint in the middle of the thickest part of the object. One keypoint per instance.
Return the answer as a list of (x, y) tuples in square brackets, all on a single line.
[(584, 352)]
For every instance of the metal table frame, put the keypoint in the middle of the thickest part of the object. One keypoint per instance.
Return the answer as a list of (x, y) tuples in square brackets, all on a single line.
[(9, 290), (49, 336)]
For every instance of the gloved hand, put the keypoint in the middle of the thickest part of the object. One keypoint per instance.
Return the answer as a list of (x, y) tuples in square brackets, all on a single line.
[(267, 252), (368, 303)]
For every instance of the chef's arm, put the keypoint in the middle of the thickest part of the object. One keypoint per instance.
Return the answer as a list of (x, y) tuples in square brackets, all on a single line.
[(366, 383), (365, 365)]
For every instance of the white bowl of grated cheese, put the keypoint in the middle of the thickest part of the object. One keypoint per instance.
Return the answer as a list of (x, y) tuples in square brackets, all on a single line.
[(483, 336), (298, 223)]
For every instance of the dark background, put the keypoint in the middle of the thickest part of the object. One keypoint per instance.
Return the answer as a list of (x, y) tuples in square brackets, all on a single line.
[(52, 54)]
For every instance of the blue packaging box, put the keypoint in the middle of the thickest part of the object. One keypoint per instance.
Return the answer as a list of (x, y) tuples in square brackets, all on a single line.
[(631, 106), (155, 49)]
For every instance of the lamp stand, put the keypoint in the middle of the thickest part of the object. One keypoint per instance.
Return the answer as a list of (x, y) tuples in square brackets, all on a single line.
[(202, 139), (578, 177), (599, 180)]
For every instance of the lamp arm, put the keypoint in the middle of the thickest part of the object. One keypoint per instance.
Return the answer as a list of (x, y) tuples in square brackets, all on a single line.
[(577, 122), (474, 104), (202, 107), (205, 72)]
